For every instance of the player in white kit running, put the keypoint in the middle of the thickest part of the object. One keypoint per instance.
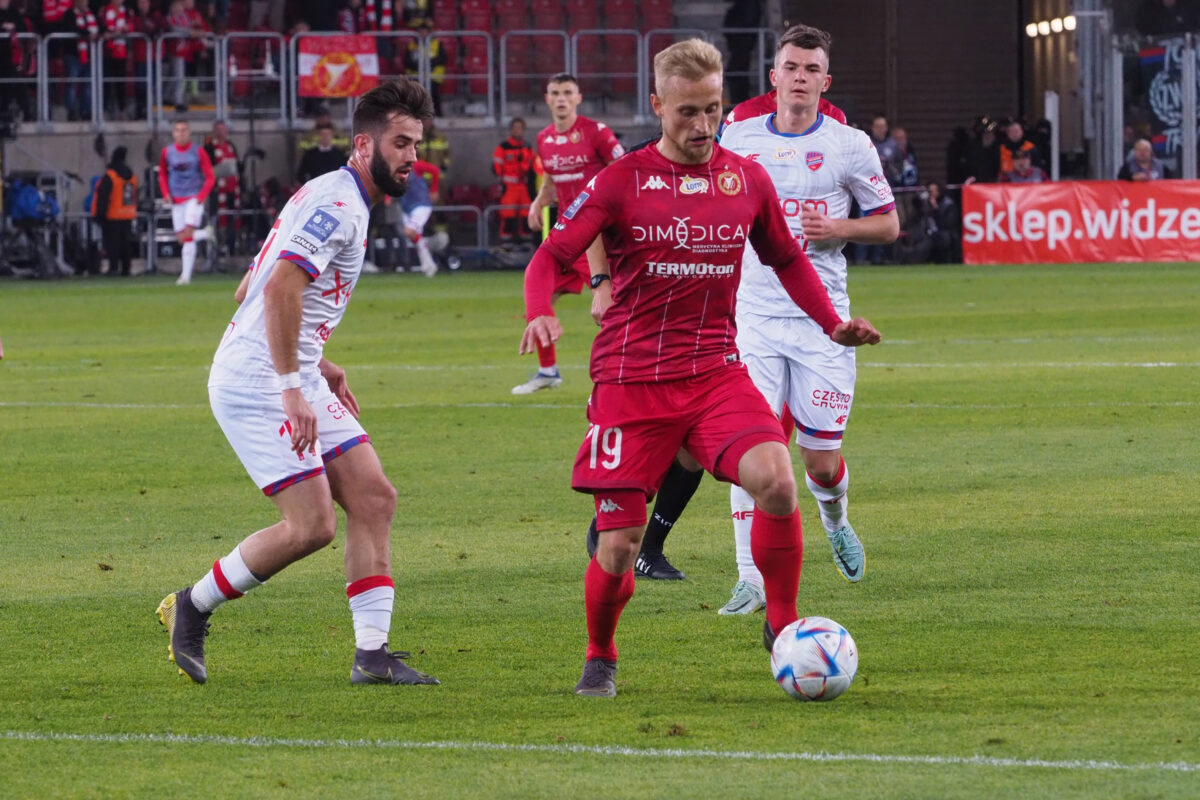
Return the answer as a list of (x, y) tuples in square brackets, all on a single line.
[(288, 411), (818, 167)]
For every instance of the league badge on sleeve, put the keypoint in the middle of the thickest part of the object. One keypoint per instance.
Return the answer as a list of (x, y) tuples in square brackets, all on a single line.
[(321, 224), (575, 206)]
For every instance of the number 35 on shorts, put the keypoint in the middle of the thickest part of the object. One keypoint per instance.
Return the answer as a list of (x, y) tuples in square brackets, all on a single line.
[(605, 441)]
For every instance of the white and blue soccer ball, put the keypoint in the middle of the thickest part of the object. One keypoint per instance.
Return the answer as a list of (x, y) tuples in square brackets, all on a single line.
[(814, 658)]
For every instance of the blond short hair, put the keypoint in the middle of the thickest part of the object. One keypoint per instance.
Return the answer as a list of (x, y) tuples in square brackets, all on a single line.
[(692, 59)]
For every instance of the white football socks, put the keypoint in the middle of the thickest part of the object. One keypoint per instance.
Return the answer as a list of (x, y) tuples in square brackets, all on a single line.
[(229, 579), (188, 255), (742, 506), (371, 601), (831, 500)]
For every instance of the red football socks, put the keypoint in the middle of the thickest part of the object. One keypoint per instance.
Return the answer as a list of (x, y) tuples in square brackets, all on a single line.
[(605, 597), (778, 549)]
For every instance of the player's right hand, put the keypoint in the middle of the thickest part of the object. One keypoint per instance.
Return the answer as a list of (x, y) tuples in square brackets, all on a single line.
[(535, 218), (303, 421), (540, 330), (855, 332)]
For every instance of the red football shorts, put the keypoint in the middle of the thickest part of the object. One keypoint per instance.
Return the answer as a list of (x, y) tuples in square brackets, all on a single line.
[(572, 279), (637, 428)]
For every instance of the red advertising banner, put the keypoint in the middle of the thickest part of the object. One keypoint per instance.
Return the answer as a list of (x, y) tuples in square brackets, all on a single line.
[(337, 66), (1081, 221)]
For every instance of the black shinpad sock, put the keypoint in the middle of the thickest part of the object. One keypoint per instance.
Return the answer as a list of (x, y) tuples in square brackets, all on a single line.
[(677, 489)]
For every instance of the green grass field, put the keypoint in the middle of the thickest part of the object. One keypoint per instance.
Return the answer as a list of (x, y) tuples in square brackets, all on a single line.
[(1025, 479)]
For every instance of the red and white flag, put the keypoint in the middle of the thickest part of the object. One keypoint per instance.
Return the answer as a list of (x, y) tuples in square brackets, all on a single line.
[(337, 66)]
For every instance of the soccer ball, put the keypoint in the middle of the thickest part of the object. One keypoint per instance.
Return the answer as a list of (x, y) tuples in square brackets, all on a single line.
[(814, 659)]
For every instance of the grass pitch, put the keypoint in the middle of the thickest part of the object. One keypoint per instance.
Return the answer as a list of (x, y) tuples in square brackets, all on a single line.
[(1024, 478)]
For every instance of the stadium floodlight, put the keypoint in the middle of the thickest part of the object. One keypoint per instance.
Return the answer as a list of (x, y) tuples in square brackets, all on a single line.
[(1031, 30), (1044, 28), (1069, 22), (1056, 25)]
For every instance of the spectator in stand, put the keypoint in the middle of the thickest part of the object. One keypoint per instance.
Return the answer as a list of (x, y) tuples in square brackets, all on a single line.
[(437, 62), (1166, 17), (958, 161), (116, 20), (942, 224), (324, 157), (512, 161), (888, 151), (378, 16), (906, 178), (179, 50), (323, 119), (351, 17), (741, 46), (417, 13), (1023, 170), (83, 23), (1142, 164), (227, 191), (148, 20), (434, 148), (983, 155), (11, 58), (114, 206), (1013, 142)]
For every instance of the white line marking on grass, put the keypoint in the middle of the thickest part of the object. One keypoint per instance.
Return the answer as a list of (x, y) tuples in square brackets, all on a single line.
[(1038, 365), (578, 406), (603, 750)]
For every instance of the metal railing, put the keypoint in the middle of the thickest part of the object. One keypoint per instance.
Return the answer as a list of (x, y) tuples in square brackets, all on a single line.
[(258, 75)]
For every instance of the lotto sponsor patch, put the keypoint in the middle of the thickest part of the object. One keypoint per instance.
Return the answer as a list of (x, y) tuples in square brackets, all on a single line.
[(575, 206), (321, 224)]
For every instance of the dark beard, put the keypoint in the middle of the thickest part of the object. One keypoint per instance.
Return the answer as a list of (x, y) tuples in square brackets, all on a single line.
[(383, 177)]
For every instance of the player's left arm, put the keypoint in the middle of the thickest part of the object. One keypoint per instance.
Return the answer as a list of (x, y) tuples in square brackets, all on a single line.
[(598, 264), (209, 177), (283, 303), (335, 376), (608, 148), (879, 223), (777, 248)]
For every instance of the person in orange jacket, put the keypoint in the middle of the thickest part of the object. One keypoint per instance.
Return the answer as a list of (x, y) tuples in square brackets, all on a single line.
[(512, 161), (114, 205)]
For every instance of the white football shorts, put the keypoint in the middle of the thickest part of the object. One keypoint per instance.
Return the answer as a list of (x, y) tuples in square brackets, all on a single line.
[(793, 362), (256, 427), (188, 214)]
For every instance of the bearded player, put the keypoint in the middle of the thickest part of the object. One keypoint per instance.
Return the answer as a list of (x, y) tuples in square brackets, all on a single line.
[(572, 150), (818, 168), (288, 411), (675, 216)]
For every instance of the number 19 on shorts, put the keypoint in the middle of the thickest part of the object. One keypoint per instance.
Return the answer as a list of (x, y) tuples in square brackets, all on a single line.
[(608, 442)]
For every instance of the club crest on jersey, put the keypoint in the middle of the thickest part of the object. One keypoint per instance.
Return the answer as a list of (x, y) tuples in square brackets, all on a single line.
[(321, 225), (729, 183), (655, 182), (574, 137), (579, 201), (690, 184), (814, 160)]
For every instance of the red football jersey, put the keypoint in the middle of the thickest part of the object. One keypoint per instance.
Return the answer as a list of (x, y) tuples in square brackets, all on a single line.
[(766, 104), (575, 156), (674, 234)]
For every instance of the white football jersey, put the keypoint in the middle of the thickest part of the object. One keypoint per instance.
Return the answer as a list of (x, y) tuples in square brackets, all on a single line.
[(826, 167), (322, 230)]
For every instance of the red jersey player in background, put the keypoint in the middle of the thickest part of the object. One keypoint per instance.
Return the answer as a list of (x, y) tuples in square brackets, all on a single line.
[(512, 161), (224, 157), (676, 216), (572, 149)]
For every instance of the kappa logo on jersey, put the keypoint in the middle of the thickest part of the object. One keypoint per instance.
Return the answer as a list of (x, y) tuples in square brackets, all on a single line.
[(579, 201), (729, 183), (692, 184), (655, 182), (304, 243), (608, 506), (321, 225), (814, 160)]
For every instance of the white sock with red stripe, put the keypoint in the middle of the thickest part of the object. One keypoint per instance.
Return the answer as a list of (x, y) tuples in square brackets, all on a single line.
[(229, 579), (831, 497), (371, 602), (742, 506), (188, 255)]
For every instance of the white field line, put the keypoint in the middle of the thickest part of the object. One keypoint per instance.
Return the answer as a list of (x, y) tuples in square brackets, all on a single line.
[(580, 406), (23, 367), (601, 750)]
